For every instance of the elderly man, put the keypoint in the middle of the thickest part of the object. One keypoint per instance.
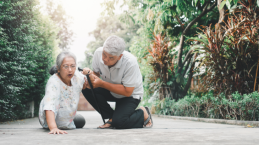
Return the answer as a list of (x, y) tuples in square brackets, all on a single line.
[(121, 83)]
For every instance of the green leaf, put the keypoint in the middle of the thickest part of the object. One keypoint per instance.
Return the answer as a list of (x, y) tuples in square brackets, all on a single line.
[(178, 10), (182, 80), (173, 2), (222, 5), (235, 1), (228, 4), (178, 2), (195, 2), (258, 3), (178, 79), (169, 83), (202, 1)]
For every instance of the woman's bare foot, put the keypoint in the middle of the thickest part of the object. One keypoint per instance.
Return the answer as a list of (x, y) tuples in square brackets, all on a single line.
[(106, 125), (146, 116)]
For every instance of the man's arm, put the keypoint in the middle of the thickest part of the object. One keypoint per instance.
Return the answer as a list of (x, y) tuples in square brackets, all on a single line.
[(115, 88), (92, 73), (97, 74)]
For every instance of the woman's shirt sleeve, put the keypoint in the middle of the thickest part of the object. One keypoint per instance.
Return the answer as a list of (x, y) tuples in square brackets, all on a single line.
[(80, 79), (51, 99)]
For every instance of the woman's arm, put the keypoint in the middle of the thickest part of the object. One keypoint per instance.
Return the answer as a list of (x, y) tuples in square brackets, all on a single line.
[(50, 118)]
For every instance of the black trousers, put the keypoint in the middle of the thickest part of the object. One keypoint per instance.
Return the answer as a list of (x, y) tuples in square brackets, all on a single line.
[(125, 114)]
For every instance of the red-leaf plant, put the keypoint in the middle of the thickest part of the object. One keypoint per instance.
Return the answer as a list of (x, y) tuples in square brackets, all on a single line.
[(161, 60), (231, 51)]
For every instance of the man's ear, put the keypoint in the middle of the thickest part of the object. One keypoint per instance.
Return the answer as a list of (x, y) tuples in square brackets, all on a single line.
[(120, 56)]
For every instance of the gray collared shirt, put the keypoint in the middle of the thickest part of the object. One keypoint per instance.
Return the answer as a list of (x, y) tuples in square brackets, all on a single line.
[(125, 72)]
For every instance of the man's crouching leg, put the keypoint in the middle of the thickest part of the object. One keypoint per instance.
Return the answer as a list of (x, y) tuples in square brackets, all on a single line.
[(126, 116)]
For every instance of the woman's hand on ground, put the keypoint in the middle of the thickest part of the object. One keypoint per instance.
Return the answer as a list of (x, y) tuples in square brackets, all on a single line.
[(57, 131)]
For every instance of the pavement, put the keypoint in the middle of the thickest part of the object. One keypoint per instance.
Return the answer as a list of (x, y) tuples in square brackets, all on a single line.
[(166, 131)]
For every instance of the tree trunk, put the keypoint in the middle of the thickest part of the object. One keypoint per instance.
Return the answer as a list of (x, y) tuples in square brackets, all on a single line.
[(180, 53), (165, 92)]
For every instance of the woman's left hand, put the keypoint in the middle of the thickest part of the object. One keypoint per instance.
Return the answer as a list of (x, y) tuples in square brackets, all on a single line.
[(86, 71), (57, 131)]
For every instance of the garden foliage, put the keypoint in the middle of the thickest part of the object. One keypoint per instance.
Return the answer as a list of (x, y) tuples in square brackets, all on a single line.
[(27, 45), (230, 52), (236, 107), (227, 54)]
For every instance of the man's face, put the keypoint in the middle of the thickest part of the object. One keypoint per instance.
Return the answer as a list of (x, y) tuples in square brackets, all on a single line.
[(110, 60)]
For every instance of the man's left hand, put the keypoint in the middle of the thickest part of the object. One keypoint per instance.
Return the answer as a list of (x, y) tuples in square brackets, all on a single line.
[(97, 82)]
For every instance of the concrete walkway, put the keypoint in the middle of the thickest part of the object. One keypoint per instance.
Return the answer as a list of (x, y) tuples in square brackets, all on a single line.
[(165, 131)]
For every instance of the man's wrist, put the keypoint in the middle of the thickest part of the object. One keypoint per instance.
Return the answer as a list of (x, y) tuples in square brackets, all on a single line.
[(102, 84)]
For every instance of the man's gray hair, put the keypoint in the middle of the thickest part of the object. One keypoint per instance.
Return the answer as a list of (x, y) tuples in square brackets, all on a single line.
[(114, 45), (62, 56)]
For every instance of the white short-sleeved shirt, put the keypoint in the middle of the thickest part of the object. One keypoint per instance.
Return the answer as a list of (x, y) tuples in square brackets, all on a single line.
[(62, 100), (126, 72)]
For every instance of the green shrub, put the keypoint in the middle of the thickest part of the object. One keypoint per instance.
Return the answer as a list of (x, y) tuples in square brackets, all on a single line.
[(237, 107), (27, 43)]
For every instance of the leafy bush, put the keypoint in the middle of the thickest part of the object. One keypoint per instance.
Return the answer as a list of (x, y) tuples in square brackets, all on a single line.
[(230, 52), (237, 107), (27, 44)]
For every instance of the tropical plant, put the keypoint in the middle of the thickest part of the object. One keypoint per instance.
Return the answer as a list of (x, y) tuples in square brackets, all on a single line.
[(230, 57), (161, 61)]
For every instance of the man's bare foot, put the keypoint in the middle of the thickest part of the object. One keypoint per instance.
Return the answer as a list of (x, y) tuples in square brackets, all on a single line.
[(106, 125), (146, 116)]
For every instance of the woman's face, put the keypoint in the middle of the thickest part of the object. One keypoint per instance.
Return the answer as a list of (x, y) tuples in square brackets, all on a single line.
[(67, 68)]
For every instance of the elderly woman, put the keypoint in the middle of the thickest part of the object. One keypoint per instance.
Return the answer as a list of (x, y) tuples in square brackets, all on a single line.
[(59, 105)]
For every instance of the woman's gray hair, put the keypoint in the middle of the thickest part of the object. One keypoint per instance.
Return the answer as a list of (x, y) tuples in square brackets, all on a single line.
[(114, 45), (54, 69), (62, 56)]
